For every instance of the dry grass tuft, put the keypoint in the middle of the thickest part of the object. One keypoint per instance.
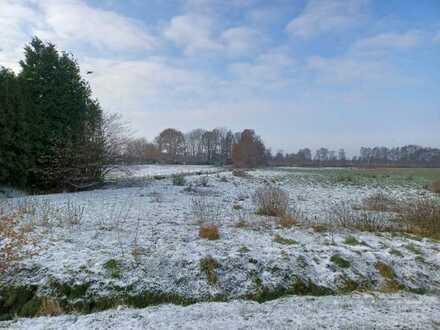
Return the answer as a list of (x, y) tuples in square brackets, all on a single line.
[(435, 186), (205, 210), (209, 231), (240, 173), (13, 238), (390, 282), (421, 217), (208, 265), (49, 307), (271, 201), (379, 202), (287, 221)]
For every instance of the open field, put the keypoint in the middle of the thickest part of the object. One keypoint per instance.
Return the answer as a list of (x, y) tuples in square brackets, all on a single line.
[(140, 246)]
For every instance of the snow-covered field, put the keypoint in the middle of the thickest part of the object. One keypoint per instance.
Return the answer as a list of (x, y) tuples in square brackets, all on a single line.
[(140, 246), (152, 170), (366, 311)]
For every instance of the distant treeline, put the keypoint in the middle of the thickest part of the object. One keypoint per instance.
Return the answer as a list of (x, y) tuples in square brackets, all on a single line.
[(219, 146), (52, 132), (410, 155), (216, 146)]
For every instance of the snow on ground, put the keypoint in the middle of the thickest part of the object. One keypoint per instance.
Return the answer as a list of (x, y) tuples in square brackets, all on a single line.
[(150, 237), (151, 170), (392, 311)]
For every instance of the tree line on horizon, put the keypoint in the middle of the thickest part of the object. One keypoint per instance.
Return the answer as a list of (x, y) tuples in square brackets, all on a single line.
[(215, 147)]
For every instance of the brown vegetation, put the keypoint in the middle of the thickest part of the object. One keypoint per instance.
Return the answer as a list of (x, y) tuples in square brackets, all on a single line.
[(271, 201), (209, 231), (248, 151), (287, 221), (421, 217), (435, 187), (13, 239)]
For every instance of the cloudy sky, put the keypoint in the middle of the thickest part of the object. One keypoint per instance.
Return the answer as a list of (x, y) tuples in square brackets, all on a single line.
[(333, 73)]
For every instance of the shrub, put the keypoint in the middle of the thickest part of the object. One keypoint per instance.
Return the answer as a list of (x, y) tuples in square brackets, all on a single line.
[(435, 187), (205, 211), (421, 217), (12, 239), (209, 231), (271, 201), (208, 265), (179, 180), (379, 202)]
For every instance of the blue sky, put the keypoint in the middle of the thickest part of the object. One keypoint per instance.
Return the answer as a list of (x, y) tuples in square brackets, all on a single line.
[(332, 73)]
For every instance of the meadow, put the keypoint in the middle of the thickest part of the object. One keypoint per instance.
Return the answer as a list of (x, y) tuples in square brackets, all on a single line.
[(206, 240)]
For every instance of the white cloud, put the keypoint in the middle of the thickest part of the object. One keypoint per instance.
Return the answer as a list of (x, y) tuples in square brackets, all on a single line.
[(240, 40), (199, 34), (15, 16), (193, 33), (390, 40), (322, 16), (271, 69), (75, 21)]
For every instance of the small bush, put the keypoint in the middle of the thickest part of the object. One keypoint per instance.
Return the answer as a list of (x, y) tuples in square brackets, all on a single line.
[(421, 217), (205, 210), (271, 201), (179, 180), (208, 265), (379, 202), (13, 239), (209, 231), (435, 187)]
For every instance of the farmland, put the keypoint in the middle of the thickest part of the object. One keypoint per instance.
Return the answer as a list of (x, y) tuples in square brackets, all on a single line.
[(90, 252)]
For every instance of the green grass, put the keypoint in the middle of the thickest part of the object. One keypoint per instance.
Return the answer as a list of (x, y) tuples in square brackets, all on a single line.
[(379, 176), (413, 248), (351, 240), (281, 240), (340, 261)]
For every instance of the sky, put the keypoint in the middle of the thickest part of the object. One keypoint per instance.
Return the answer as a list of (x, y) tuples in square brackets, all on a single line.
[(302, 73)]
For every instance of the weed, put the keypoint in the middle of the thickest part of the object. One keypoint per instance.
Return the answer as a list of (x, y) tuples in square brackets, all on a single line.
[(179, 180), (271, 201), (208, 265), (114, 267), (391, 284)]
